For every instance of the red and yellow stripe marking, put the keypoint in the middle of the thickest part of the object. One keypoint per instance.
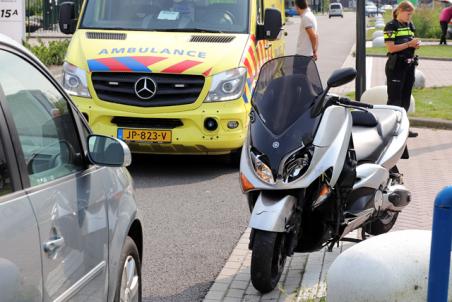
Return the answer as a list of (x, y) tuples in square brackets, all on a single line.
[(181, 67), (139, 64)]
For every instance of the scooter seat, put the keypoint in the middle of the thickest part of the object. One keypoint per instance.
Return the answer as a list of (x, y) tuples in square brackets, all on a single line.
[(364, 119), (372, 130)]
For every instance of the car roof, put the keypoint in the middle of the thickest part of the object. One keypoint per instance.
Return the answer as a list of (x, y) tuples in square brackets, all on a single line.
[(4, 39), (20, 48)]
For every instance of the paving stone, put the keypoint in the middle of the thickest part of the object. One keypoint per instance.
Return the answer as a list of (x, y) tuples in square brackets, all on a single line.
[(251, 298), (232, 299), (289, 289), (243, 277), (273, 295), (289, 283), (294, 273), (228, 272), (252, 291), (235, 265), (215, 295), (239, 284), (224, 279), (238, 258), (288, 298), (235, 293), (217, 286)]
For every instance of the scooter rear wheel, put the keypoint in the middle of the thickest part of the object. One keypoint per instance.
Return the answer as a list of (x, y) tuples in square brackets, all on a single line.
[(267, 260)]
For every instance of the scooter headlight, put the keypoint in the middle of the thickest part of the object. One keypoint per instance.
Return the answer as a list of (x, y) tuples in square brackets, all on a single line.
[(297, 165), (262, 170)]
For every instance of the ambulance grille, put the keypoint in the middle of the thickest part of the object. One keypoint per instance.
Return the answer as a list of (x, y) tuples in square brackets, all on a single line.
[(172, 89), (105, 36), (211, 39)]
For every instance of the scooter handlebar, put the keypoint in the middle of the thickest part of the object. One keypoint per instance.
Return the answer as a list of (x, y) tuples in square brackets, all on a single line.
[(348, 102)]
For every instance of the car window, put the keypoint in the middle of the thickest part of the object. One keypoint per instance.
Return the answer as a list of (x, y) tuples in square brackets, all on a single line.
[(43, 121), (5, 177)]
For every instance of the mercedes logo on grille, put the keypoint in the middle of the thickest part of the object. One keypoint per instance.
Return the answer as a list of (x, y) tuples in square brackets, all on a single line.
[(145, 88)]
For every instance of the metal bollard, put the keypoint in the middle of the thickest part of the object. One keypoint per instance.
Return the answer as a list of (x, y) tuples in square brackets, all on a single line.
[(438, 279)]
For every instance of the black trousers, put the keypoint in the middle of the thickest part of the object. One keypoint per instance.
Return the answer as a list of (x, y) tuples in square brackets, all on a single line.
[(444, 33), (400, 81)]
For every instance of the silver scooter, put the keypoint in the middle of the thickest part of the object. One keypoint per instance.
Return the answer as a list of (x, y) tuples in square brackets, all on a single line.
[(316, 166)]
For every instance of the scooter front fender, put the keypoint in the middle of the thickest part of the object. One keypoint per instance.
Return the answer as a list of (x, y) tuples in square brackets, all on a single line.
[(272, 212)]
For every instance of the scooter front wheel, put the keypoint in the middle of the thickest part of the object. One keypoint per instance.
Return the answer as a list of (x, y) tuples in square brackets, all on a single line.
[(267, 260)]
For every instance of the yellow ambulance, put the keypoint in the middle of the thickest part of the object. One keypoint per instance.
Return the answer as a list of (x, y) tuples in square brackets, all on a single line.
[(170, 76)]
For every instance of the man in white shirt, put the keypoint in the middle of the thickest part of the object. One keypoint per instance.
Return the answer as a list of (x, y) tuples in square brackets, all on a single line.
[(307, 38)]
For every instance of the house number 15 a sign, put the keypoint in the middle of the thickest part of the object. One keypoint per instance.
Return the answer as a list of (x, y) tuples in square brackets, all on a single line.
[(12, 19)]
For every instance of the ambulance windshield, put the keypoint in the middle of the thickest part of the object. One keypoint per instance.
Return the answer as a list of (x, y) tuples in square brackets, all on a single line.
[(228, 16)]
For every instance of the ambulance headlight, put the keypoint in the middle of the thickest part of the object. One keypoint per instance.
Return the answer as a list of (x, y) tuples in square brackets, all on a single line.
[(74, 80), (227, 86)]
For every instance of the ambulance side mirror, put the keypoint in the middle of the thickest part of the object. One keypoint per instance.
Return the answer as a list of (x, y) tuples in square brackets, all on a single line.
[(272, 25), (67, 20)]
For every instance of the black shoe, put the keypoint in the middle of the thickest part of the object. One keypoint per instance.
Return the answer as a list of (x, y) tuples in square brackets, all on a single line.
[(412, 134)]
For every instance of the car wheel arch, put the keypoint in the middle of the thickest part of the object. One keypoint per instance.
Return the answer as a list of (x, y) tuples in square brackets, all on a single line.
[(126, 226), (136, 233)]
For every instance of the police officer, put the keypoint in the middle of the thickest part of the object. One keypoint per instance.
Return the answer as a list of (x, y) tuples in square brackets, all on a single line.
[(400, 66)]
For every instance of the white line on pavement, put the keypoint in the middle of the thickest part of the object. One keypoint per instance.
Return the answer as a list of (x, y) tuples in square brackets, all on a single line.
[(369, 62)]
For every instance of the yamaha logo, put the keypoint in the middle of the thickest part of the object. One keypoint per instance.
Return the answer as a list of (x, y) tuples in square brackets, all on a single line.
[(275, 145), (145, 88)]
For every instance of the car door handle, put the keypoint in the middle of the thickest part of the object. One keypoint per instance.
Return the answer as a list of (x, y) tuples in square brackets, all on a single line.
[(50, 247)]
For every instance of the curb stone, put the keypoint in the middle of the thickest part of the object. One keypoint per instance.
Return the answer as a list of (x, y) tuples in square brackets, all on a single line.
[(430, 123)]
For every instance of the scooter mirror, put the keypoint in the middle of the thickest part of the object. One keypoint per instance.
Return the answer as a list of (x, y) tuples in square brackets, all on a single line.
[(341, 76)]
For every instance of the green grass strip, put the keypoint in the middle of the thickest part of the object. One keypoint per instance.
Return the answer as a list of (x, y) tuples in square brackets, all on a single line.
[(433, 102), (426, 51)]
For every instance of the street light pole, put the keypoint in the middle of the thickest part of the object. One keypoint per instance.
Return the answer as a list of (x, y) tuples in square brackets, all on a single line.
[(360, 83)]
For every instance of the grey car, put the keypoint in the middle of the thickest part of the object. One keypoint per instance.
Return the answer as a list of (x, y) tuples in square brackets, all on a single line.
[(69, 229)]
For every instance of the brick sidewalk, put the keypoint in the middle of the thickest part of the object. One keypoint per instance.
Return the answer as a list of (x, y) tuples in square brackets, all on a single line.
[(303, 278), (425, 174)]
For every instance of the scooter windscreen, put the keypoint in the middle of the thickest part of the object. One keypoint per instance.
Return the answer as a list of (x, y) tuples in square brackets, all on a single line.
[(281, 121)]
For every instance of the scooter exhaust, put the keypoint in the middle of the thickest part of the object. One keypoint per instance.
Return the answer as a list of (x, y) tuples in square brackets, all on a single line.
[(397, 198)]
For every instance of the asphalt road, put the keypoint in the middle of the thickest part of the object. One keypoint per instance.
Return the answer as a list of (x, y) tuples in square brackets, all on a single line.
[(336, 38), (192, 208)]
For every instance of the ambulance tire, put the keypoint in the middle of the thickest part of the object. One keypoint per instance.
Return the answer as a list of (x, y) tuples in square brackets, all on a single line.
[(234, 157)]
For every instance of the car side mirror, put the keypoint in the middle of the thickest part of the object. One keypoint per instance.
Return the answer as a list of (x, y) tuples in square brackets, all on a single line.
[(67, 20), (341, 76), (272, 25), (108, 151)]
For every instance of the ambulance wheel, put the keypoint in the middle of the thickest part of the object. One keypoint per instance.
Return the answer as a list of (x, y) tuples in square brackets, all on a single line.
[(234, 157)]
